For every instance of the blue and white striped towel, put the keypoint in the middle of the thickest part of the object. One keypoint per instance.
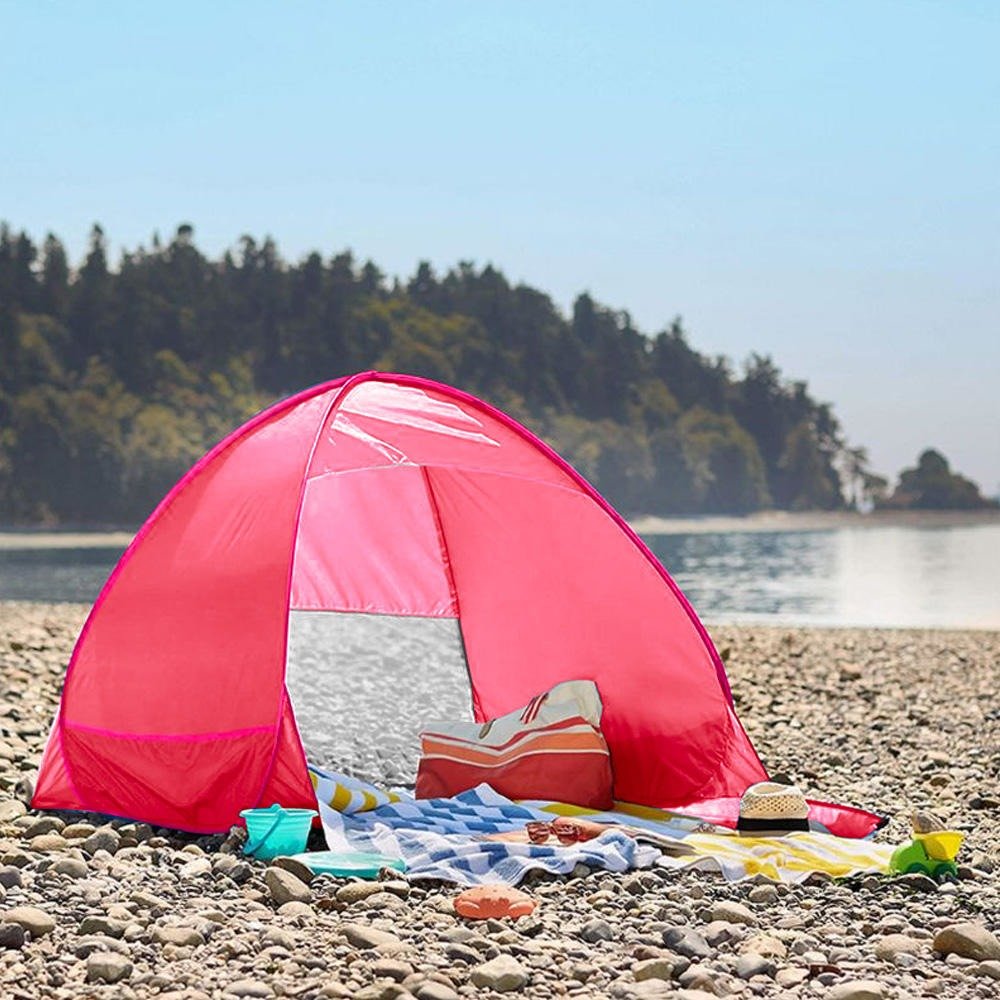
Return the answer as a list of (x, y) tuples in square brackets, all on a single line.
[(441, 839)]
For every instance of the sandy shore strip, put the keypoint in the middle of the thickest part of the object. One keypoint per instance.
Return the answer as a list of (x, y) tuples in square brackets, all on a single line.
[(887, 719), (780, 521), (17, 540)]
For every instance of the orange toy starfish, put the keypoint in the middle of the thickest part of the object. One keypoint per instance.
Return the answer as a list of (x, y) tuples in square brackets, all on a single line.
[(482, 902)]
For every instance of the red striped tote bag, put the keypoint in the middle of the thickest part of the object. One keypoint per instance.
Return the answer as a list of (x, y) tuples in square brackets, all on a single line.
[(550, 749)]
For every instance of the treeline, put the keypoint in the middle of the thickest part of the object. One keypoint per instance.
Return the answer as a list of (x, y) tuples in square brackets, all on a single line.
[(114, 379), (931, 485)]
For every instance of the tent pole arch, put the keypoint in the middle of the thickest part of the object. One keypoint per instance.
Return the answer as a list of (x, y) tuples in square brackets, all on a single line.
[(346, 384)]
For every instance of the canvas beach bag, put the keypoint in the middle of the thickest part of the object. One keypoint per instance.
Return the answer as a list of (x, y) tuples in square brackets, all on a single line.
[(551, 749)]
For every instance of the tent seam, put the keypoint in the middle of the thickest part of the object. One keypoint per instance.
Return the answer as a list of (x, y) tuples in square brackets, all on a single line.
[(169, 737), (452, 585), (345, 388)]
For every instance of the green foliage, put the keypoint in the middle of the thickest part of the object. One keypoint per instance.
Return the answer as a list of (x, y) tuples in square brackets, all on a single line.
[(114, 379), (931, 485), (726, 467)]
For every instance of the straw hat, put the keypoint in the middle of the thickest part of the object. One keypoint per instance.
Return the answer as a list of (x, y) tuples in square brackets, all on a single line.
[(773, 808)]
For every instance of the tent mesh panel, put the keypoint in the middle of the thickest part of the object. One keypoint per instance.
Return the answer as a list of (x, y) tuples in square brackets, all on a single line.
[(363, 686)]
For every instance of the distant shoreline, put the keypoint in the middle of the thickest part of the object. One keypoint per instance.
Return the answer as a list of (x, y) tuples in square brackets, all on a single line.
[(761, 522), (820, 520)]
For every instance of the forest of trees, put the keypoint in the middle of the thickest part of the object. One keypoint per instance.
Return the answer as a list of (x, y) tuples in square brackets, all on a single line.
[(115, 378), (931, 485)]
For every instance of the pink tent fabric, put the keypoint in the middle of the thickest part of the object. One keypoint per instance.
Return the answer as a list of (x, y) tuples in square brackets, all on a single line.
[(383, 494)]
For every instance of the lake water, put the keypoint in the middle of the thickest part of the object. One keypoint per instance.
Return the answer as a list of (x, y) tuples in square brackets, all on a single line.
[(866, 576)]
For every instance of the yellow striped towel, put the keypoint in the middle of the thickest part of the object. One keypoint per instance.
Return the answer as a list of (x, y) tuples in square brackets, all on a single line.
[(789, 858), (346, 794)]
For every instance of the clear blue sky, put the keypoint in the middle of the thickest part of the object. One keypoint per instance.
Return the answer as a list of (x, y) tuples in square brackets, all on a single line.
[(816, 181)]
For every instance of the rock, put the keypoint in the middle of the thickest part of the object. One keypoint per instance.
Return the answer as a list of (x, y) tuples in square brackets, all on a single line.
[(42, 825), (968, 940), (764, 894), (686, 942), (751, 965), (225, 863), (380, 991), (275, 935), (248, 988), (35, 921), (596, 930), (147, 901), (383, 901), (390, 968), (354, 892), (984, 802), (893, 945), (766, 945), (107, 967), (10, 877), (791, 977), (182, 937), (10, 810), (296, 909), (71, 867), (857, 989), (196, 868), (502, 974), (462, 953), (989, 969), (719, 932), (431, 989), (284, 887), (656, 989), (104, 838), (583, 972), (78, 831), (397, 886), (653, 968), (103, 925), (734, 913), (917, 882), (240, 872), (699, 978), (302, 872), (336, 990), (11, 936), (47, 843), (362, 936), (88, 945)]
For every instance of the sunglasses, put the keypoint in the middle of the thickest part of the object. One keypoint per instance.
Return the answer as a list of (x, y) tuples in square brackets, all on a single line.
[(565, 832)]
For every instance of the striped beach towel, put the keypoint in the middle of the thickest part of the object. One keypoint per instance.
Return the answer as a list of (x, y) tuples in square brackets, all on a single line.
[(444, 839)]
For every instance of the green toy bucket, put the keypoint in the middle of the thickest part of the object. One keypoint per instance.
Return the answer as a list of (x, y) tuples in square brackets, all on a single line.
[(276, 831)]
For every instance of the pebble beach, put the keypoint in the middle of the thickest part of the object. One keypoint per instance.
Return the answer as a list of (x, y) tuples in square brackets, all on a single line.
[(892, 720)]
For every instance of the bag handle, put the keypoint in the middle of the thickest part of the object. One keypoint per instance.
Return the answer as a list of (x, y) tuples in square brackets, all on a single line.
[(533, 707)]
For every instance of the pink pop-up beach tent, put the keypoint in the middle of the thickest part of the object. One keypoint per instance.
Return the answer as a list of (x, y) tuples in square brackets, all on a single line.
[(385, 495)]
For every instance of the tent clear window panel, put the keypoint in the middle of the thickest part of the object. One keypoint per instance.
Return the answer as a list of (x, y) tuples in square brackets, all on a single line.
[(364, 685)]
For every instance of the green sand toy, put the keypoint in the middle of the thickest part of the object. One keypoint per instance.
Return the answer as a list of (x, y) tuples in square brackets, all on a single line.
[(929, 853)]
